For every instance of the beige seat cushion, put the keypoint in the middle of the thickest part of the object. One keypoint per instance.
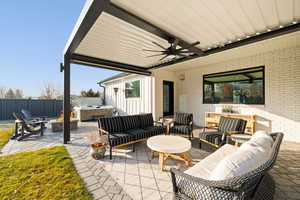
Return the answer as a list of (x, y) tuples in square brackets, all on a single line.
[(204, 168), (247, 158)]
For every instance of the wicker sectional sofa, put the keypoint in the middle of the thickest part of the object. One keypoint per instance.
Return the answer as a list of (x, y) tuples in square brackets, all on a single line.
[(126, 130), (243, 174)]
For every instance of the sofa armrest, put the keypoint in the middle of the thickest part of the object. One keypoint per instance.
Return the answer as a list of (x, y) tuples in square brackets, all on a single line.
[(159, 122), (191, 186), (234, 132), (209, 127), (103, 132)]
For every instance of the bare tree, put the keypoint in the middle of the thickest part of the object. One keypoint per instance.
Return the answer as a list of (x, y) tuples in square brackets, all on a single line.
[(50, 92), (2, 91), (19, 94), (10, 94)]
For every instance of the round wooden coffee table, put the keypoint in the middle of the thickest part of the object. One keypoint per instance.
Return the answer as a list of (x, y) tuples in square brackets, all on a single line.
[(169, 146), (240, 138)]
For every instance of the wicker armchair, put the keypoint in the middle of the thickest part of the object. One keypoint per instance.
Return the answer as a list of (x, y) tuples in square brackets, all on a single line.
[(182, 125), (245, 186), (227, 126)]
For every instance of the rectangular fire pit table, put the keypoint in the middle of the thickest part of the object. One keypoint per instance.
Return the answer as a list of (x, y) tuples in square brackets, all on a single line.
[(57, 125)]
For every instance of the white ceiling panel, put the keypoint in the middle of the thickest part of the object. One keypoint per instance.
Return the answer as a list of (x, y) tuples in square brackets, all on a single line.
[(254, 15), (113, 39), (268, 10), (285, 11), (213, 23), (296, 10)]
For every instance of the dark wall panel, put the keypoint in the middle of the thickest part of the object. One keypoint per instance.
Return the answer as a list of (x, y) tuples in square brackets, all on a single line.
[(49, 108)]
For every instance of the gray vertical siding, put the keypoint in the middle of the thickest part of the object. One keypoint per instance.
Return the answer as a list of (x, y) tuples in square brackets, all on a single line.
[(37, 107)]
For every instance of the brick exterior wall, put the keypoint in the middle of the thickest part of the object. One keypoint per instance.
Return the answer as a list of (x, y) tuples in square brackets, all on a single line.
[(281, 111)]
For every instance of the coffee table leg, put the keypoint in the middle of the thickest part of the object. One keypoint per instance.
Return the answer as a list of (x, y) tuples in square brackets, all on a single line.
[(161, 161), (186, 158)]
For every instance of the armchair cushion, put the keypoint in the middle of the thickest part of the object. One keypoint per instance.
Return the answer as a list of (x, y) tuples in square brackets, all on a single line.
[(181, 129), (120, 138), (146, 120), (230, 124), (204, 168), (183, 118), (131, 122), (215, 137), (111, 124)]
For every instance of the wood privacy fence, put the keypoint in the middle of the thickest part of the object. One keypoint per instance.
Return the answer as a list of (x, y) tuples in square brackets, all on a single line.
[(49, 108)]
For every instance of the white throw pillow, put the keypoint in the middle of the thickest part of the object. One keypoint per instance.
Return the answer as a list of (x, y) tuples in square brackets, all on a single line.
[(240, 162), (263, 139)]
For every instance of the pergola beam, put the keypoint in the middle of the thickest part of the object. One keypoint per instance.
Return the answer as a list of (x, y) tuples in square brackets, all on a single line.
[(107, 64), (250, 40), (147, 26), (67, 101), (92, 10)]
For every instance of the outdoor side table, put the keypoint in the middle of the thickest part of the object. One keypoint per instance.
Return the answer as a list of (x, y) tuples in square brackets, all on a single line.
[(169, 146), (240, 138)]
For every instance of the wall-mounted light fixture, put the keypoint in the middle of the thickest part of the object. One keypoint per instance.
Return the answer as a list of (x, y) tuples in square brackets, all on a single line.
[(116, 90), (181, 77)]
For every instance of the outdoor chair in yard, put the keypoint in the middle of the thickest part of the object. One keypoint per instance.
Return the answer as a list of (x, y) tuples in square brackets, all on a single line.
[(217, 135), (29, 117), (24, 129), (182, 125)]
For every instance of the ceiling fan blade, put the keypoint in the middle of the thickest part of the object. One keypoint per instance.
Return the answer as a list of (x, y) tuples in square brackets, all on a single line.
[(152, 50), (180, 54), (155, 55), (164, 57), (189, 46), (159, 45)]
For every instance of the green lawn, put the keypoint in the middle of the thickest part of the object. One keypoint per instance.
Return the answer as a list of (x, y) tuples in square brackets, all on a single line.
[(4, 136), (43, 174)]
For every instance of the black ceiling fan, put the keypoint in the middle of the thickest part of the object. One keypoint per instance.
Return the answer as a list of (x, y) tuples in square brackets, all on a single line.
[(173, 50)]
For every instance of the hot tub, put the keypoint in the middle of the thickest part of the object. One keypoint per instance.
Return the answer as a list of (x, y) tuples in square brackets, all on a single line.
[(85, 113)]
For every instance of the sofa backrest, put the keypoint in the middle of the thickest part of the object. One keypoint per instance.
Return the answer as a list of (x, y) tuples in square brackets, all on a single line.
[(131, 122), (230, 124), (146, 120), (111, 124), (183, 118), (250, 180)]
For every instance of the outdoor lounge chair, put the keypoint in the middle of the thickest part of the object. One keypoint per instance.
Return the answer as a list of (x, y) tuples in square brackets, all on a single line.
[(252, 183), (182, 125), (27, 129), (226, 127), (28, 116)]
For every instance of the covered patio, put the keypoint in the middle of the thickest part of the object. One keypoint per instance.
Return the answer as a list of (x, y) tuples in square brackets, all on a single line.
[(127, 35), (184, 44), (135, 175)]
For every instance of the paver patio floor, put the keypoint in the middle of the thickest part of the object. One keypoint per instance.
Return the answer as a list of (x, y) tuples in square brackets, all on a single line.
[(135, 175)]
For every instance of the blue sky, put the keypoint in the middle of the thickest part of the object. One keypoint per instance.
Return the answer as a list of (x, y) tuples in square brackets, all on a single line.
[(32, 38)]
